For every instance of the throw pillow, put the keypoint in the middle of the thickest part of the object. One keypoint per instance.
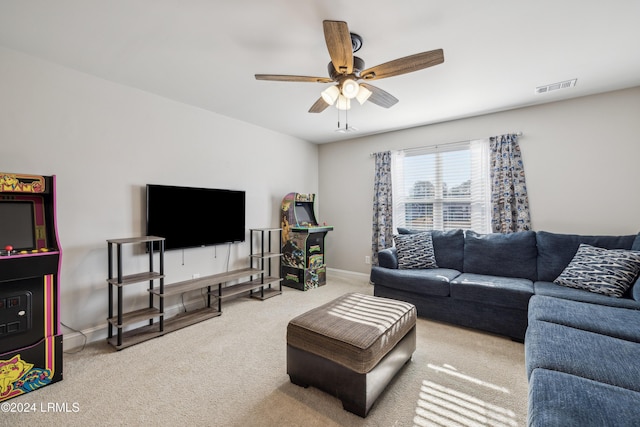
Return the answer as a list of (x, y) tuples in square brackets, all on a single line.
[(415, 251), (447, 245), (605, 271)]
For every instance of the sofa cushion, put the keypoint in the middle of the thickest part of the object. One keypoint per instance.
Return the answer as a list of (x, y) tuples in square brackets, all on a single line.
[(508, 255), (448, 247), (586, 354), (553, 290), (415, 251), (613, 321), (492, 290), (388, 258), (604, 271), (555, 251), (557, 399), (434, 281)]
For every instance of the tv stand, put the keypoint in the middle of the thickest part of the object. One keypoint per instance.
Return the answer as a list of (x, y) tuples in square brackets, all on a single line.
[(257, 282)]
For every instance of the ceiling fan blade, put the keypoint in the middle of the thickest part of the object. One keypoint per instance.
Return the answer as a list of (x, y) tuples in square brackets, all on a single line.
[(380, 97), (338, 38), (404, 65), (287, 78), (319, 106)]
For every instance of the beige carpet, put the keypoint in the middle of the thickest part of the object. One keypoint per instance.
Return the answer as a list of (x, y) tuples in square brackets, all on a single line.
[(231, 371)]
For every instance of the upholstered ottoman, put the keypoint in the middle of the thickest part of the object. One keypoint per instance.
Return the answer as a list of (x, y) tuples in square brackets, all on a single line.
[(351, 347)]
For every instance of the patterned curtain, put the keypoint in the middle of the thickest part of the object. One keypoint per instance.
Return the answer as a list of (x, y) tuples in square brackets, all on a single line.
[(382, 231), (509, 200)]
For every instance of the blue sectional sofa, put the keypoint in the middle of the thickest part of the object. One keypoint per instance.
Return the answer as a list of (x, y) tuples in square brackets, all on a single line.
[(582, 362), (582, 347)]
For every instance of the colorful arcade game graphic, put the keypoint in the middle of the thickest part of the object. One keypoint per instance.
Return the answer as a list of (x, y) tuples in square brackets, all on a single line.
[(303, 260), (30, 334)]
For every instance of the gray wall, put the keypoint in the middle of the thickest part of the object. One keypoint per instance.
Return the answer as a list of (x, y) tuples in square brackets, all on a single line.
[(105, 142), (580, 160)]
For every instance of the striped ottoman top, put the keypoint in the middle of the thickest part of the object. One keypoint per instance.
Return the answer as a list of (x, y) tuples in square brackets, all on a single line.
[(354, 330)]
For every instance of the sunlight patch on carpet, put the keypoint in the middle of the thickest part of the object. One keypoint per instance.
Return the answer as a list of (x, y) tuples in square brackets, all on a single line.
[(439, 405), (452, 371)]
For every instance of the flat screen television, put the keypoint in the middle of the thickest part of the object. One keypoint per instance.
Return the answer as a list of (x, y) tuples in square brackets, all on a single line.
[(17, 225), (189, 217)]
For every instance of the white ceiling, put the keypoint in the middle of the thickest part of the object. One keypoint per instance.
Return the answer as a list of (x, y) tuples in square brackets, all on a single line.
[(205, 53)]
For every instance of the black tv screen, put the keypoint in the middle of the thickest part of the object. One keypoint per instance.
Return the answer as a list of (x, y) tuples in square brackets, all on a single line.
[(190, 217), (17, 225)]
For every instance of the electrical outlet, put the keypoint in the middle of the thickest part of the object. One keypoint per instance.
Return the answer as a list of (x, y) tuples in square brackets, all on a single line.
[(367, 259), (195, 276)]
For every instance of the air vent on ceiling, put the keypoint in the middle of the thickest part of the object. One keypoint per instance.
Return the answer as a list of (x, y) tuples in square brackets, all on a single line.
[(555, 86)]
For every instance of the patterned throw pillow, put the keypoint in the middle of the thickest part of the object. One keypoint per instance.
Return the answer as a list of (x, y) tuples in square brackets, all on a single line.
[(605, 271), (415, 251)]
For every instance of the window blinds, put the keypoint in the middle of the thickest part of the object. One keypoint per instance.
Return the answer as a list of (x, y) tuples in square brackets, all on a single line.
[(442, 187)]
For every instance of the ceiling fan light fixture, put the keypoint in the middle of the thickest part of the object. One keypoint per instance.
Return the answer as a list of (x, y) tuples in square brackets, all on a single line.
[(350, 88), (363, 94), (330, 94), (343, 103), (346, 70)]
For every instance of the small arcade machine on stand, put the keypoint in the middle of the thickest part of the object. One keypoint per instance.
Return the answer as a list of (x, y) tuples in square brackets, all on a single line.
[(30, 334), (303, 265)]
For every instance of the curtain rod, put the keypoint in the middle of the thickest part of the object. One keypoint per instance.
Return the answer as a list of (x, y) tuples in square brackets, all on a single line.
[(442, 145)]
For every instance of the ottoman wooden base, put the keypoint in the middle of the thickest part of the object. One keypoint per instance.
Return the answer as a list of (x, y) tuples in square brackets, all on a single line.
[(351, 347), (357, 391)]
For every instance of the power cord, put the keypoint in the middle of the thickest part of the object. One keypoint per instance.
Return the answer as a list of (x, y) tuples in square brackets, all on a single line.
[(81, 333)]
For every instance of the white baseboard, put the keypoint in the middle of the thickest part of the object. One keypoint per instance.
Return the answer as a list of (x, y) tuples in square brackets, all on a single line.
[(72, 341), (348, 272)]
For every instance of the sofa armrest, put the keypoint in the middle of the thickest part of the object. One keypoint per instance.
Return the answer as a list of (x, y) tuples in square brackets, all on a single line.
[(388, 258)]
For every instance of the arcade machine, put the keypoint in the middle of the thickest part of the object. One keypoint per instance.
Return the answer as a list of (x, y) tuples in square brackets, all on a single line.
[(30, 255), (303, 265)]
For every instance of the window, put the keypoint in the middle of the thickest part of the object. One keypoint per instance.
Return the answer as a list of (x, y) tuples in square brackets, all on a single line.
[(443, 188)]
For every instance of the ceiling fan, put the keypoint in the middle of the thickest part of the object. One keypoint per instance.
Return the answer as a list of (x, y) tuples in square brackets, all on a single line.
[(346, 70)]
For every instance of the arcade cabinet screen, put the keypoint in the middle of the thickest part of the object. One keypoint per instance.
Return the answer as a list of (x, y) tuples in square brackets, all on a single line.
[(304, 214), (17, 225), (190, 217)]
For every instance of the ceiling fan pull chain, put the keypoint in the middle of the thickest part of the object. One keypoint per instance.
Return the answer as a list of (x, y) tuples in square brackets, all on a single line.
[(346, 120)]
